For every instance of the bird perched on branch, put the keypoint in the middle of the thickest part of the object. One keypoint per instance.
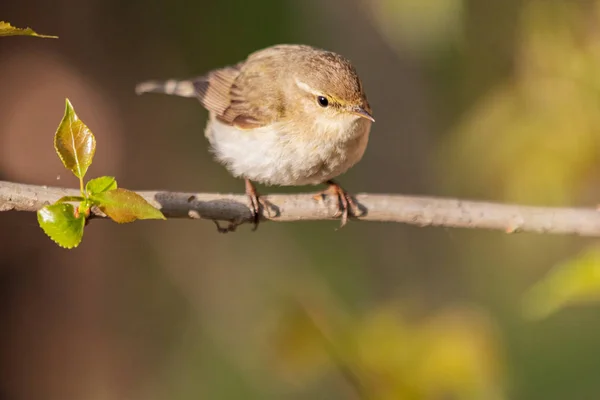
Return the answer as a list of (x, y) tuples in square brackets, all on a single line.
[(288, 115)]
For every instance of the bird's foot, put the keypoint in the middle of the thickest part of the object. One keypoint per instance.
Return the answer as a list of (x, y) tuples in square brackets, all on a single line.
[(257, 203), (346, 203)]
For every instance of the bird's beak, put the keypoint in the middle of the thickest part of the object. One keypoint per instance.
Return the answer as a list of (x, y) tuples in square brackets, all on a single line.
[(362, 113)]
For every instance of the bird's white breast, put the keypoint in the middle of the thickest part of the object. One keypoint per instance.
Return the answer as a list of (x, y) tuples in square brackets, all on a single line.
[(278, 154)]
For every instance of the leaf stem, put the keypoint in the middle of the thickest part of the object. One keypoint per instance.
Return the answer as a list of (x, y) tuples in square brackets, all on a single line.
[(81, 187)]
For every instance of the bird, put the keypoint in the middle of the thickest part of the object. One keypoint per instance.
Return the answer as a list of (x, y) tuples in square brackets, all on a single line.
[(287, 115)]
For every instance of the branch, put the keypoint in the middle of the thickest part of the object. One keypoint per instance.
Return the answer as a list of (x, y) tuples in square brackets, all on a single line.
[(420, 211)]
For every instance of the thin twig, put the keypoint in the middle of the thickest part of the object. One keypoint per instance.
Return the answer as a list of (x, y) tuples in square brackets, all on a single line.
[(421, 211)]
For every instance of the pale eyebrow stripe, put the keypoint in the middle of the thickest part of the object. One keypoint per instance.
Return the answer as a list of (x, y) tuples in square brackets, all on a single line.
[(307, 88)]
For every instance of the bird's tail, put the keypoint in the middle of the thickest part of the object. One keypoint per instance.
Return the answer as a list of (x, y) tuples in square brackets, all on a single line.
[(183, 88)]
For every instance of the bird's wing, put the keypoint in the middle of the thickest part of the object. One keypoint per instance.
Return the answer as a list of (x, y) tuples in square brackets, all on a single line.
[(213, 89), (246, 95)]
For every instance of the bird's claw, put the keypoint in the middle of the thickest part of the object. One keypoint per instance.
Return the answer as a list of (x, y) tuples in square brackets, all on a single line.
[(346, 204), (229, 228)]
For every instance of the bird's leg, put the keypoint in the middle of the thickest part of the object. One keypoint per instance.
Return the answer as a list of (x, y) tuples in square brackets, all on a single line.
[(255, 202), (345, 202)]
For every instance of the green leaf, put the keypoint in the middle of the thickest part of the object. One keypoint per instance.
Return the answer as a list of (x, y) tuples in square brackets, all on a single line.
[(122, 206), (7, 29), (74, 143), (100, 185), (62, 226), (575, 281)]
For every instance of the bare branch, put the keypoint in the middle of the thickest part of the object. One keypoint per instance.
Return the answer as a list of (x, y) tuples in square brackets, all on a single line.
[(421, 211)]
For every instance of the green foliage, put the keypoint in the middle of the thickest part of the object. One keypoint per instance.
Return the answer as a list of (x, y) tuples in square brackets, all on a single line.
[(575, 281), (100, 185), (62, 223), (7, 29), (75, 145), (534, 138), (123, 206), (386, 355)]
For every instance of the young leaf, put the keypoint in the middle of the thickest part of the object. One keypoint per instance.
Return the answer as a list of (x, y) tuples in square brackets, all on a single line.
[(62, 226), (100, 185), (122, 206), (74, 143), (7, 29)]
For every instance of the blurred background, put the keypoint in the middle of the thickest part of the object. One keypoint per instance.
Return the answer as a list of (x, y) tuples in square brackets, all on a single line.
[(496, 100)]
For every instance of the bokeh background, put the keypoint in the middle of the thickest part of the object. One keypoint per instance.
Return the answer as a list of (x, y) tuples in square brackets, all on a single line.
[(493, 100)]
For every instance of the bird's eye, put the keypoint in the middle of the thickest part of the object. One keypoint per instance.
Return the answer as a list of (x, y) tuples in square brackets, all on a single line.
[(323, 102)]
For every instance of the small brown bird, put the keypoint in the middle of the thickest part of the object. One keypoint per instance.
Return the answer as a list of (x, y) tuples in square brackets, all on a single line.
[(288, 115)]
